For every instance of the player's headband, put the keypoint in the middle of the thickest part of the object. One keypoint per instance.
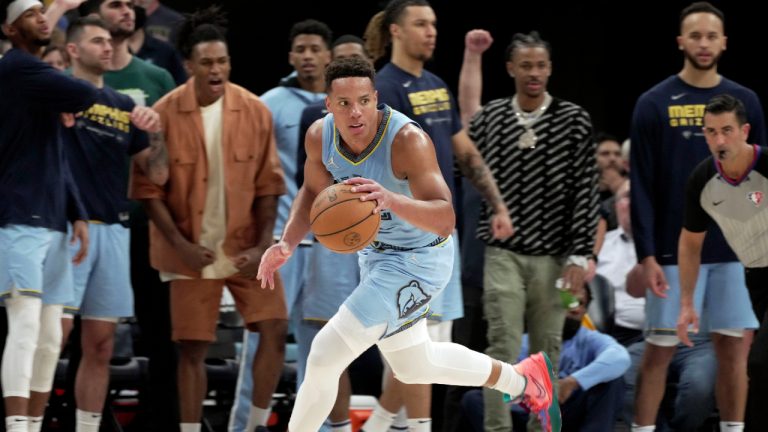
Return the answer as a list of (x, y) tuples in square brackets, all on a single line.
[(18, 7)]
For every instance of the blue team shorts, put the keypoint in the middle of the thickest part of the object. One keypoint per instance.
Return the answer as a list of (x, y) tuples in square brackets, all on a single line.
[(35, 261), (102, 287), (721, 300), (449, 304), (331, 278), (294, 276), (397, 286)]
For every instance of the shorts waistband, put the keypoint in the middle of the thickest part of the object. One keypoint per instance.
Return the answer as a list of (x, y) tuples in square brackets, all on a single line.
[(381, 246)]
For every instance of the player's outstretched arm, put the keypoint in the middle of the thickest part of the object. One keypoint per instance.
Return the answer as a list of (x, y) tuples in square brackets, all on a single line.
[(316, 178)]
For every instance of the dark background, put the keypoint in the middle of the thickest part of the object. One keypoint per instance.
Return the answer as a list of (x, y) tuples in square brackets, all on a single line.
[(603, 59)]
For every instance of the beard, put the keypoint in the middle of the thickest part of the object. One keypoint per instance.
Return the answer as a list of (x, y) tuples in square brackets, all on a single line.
[(121, 33), (36, 40), (695, 63)]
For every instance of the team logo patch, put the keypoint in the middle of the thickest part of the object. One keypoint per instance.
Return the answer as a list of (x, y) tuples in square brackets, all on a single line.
[(755, 197), (410, 298)]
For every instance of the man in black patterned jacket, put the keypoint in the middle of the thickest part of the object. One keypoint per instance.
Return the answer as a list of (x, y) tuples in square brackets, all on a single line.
[(541, 153)]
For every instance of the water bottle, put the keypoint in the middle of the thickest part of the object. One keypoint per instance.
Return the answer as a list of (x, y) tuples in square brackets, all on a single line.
[(566, 296)]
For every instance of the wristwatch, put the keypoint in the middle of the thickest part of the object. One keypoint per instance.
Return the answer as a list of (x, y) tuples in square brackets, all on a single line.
[(578, 260)]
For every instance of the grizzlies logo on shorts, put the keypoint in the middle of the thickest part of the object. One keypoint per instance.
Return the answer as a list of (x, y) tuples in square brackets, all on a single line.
[(410, 298), (397, 286)]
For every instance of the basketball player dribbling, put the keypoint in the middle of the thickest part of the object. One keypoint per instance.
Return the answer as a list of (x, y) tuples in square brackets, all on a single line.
[(383, 153)]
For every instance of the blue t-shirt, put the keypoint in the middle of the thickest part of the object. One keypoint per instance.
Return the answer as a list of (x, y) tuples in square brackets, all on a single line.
[(35, 183), (667, 144), (428, 101), (98, 148)]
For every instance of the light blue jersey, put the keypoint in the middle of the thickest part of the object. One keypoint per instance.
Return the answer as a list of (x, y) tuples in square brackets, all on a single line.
[(375, 163), (406, 267)]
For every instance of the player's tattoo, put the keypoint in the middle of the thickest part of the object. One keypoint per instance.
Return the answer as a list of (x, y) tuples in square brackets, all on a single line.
[(158, 155), (476, 171)]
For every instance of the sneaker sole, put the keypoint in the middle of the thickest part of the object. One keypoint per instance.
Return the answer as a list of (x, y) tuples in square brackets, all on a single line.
[(553, 412)]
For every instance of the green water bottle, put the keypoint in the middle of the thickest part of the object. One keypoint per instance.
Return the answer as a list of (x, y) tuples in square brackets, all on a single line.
[(566, 296)]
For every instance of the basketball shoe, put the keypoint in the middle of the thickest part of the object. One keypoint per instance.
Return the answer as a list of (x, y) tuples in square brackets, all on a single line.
[(540, 394)]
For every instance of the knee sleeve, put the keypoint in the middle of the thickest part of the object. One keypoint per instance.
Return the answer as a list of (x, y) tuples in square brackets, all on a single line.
[(48, 349), (336, 345), (439, 363), (332, 351), (440, 331), (23, 329)]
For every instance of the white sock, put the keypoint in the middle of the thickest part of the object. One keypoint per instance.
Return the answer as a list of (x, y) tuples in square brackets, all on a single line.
[(400, 423), (342, 426), (190, 427), (636, 428), (35, 423), (731, 426), (16, 424), (379, 420), (419, 425), (87, 421), (258, 417), (510, 381)]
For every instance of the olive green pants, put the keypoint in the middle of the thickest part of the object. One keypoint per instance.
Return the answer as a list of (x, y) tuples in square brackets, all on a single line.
[(520, 296)]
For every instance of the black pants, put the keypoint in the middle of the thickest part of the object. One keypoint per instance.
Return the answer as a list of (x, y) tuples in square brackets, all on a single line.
[(757, 366), (153, 314)]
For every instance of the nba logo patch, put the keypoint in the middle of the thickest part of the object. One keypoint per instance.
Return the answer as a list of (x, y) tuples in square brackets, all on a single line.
[(755, 197)]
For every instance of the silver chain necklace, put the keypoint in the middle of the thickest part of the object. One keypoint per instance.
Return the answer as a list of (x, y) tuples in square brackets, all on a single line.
[(528, 138)]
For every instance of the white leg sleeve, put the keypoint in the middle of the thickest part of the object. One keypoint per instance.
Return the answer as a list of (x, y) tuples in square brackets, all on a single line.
[(23, 328), (440, 331), (48, 349), (339, 342), (415, 359)]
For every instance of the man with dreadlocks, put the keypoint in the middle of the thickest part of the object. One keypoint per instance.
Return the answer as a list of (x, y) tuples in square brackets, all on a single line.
[(214, 218), (544, 155)]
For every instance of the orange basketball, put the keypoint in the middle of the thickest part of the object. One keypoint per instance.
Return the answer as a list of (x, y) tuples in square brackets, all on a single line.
[(341, 222)]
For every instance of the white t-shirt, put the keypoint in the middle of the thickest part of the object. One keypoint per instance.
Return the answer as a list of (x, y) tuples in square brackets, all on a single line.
[(617, 258)]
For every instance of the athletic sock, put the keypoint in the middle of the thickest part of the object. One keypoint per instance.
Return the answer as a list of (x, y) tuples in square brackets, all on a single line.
[(257, 417), (190, 427), (16, 424), (510, 381), (379, 420), (35, 423), (88, 421), (420, 425), (731, 426)]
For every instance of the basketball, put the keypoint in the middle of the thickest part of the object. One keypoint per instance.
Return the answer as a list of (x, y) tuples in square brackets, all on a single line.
[(341, 222)]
